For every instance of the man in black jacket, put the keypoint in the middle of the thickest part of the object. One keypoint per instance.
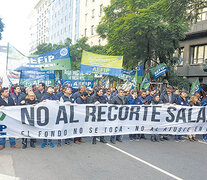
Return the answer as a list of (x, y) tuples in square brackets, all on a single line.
[(40, 92), (98, 98), (120, 99), (17, 95), (5, 100), (167, 97)]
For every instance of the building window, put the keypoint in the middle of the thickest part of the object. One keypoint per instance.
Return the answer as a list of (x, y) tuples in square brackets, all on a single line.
[(203, 15), (86, 15), (181, 56), (101, 10), (92, 30), (93, 0), (93, 13), (85, 32), (86, 3), (198, 54)]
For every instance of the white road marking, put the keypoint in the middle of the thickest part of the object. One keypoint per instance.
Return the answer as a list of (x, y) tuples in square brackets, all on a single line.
[(6, 177), (202, 142), (145, 162)]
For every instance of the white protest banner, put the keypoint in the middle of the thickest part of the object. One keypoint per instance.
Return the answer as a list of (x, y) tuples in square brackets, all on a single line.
[(55, 120)]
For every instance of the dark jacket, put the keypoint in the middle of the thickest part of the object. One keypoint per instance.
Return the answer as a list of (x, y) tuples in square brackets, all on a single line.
[(95, 98), (29, 102), (146, 100), (154, 102), (165, 98), (79, 100), (134, 101), (49, 97), (68, 99), (181, 101), (39, 95), (59, 94), (76, 95), (10, 102), (17, 97), (117, 100)]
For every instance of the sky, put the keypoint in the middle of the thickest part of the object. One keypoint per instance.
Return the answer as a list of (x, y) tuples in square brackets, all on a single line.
[(14, 14)]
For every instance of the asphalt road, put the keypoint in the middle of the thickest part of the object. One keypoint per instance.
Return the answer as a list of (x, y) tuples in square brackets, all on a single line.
[(127, 160)]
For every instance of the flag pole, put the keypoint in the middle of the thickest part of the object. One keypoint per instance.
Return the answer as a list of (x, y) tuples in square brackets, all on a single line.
[(150, 80)]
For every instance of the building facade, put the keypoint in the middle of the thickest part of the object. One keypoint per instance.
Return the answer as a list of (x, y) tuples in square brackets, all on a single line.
[(64, 18), (91, 12), (53, 21), (193, 51), (39, 25)]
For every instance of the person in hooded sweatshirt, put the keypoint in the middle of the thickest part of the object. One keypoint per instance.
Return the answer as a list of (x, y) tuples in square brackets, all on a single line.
[(49, 95), (29, 100)]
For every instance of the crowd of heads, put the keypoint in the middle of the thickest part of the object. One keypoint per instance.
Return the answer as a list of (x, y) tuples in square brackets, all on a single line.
[(33, 95)]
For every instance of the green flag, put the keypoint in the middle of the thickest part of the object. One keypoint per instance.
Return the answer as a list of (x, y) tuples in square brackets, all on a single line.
[(146, 82), (159, 70), (134, 82), (196, 87)]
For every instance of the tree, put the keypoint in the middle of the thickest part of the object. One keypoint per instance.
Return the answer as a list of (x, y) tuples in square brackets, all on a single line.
[(146, 31), (1, 28)]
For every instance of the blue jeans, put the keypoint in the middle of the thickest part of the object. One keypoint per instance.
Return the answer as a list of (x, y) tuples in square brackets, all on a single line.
[(11, 141), (47, 140)]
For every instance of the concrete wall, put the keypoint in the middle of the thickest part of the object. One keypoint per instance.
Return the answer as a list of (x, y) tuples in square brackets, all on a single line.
[(196, 36)]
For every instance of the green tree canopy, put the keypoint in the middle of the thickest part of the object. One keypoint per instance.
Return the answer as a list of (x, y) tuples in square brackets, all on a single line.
[(147, 30)]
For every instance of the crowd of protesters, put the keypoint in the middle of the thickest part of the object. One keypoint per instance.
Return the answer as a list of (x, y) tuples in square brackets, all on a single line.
[(19, 95)]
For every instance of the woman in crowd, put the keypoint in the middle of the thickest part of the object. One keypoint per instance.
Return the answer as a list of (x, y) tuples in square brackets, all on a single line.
[(194, 101), (29, 100)]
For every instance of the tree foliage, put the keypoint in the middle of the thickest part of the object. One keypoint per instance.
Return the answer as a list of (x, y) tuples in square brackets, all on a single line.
[(1, 28), (147, 30)]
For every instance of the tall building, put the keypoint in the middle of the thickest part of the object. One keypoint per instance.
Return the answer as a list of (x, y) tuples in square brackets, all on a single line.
[(91, 12), (33, 31), (39, 25), (64, 21), (53, 21), (193, 51)]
